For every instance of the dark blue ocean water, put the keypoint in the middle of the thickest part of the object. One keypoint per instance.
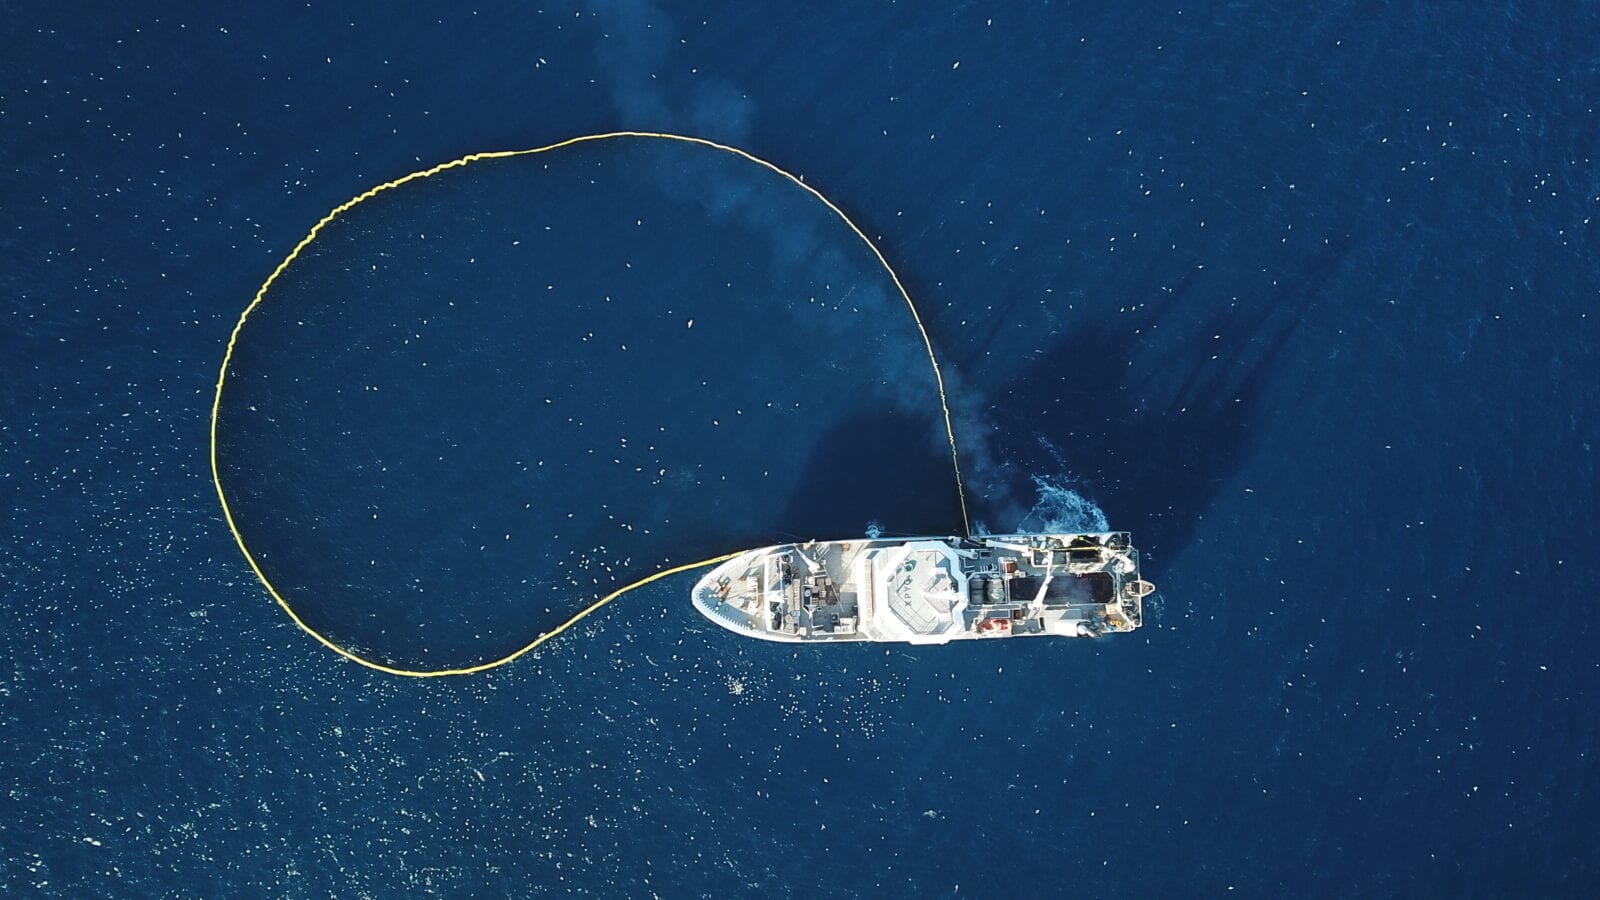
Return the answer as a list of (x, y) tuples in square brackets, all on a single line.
[(1306, 299)]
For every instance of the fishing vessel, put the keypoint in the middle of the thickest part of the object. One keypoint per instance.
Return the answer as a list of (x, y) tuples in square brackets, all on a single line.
[(930, 590)]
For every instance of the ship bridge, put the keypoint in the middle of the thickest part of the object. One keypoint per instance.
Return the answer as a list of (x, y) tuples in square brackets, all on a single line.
[(917, 591)]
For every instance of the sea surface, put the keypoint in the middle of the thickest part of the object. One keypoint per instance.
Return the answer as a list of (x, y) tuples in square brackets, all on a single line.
[(1304, 296)]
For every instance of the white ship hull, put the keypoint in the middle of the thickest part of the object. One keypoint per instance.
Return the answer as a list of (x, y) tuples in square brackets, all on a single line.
[(929, 590)]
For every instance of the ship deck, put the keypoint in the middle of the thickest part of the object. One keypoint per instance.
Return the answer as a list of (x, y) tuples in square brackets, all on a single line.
[(928, 590)]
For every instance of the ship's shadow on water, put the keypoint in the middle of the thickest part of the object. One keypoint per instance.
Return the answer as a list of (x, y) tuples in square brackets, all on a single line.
[(865, 470), (1151, 413), (1148, 415)]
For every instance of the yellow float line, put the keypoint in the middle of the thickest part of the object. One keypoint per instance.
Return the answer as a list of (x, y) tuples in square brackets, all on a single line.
[(261, 293)]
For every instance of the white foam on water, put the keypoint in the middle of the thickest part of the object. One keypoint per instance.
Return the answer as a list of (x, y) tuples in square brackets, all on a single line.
[(1062, 510)]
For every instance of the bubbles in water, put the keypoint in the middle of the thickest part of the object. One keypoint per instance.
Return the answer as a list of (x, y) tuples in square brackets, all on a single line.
[(1154, 608), (1061, 510)]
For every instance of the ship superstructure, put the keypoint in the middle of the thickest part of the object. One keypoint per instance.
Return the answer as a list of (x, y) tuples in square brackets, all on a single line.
[(929, 590)]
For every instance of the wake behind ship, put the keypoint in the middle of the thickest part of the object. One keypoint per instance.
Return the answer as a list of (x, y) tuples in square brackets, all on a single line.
[(929, 590)]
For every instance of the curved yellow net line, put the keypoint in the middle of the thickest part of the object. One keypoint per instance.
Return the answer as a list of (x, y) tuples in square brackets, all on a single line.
[(261, 293)]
